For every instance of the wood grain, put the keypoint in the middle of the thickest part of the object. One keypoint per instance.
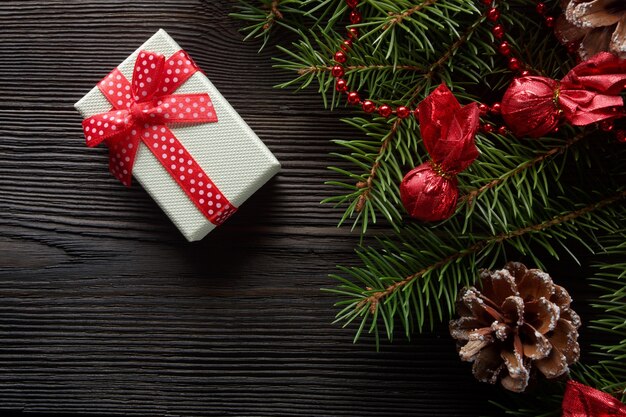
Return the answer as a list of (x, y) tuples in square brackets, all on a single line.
[(105, 309)]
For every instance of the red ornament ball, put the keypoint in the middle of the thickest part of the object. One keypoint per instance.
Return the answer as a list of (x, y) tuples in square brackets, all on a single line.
[(621, 136), (403, 112), (550, 21), (355, 17), (541, 8), (496, 108), (338, 71), (353, 33), (341, 85), (369, 106), (505, 48), (346, 45), (416, 112), (487, 128), (353, 98), (352, 3), (514, 64), (341, 57), (428, 196), (498, 31), (493, 14), (483, 109), (607, 125), (385, 110), (502, 130)]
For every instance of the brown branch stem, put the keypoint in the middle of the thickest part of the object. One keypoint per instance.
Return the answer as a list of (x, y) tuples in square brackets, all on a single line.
[(275, 14), (374, 299), (368, 184), (399, 17)]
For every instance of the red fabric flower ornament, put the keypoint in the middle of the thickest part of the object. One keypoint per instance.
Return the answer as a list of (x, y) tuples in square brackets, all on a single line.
[(534, 106), (430, 191)]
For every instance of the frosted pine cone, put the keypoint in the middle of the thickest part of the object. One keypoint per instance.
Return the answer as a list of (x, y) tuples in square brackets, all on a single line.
[(519, 318), (598, 25)]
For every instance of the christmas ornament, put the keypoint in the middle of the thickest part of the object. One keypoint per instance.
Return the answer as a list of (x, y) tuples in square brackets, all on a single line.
[(594, 26), (518, 318), (534, 106), (430, 192), (583, 401), (166, 124)]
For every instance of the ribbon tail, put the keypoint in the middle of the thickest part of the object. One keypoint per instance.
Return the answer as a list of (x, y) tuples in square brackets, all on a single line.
[(189, 175), (122, 155)]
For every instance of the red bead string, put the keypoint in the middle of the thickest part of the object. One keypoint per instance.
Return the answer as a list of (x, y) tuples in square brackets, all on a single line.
[(514, 63)]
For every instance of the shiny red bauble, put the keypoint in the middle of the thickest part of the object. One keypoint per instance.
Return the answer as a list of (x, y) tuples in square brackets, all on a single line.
[(514, 64), (402, 112), (428, 196), (355, 17), (353, 98), (341, 85), (352, 3), (337, 71), (493, 14), (505, 48), (369, 106), (385, 110), (498, 31), (341, 57)]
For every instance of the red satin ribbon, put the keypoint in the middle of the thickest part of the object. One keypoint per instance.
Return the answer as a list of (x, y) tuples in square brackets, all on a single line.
[(430, 191), (534, 106), (142, 111), (582, 401)]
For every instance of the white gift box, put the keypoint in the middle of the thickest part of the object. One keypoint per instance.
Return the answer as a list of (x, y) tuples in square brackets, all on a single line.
[(228, 151)]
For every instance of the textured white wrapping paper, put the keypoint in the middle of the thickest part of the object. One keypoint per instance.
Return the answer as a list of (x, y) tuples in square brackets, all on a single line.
[(229, 151)]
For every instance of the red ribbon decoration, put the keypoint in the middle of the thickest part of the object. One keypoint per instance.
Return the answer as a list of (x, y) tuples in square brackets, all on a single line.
[(534, 106), (582, 401), (430, 191), (142, 111)]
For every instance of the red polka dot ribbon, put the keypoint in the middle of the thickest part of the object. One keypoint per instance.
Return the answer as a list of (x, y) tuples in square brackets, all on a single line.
[(142, 111)]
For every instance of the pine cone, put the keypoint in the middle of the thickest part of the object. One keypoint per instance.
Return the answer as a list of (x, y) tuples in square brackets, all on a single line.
[(598, 25), (518, 318)]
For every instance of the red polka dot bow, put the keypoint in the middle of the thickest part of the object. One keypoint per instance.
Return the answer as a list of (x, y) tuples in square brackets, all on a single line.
[(142, 111)]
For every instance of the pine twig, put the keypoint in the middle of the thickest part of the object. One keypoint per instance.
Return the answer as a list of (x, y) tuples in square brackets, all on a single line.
[(397, 18), (367, 185), (472, 195)]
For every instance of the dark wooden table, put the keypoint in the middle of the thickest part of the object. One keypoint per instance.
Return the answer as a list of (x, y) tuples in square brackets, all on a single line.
[(105, 309)]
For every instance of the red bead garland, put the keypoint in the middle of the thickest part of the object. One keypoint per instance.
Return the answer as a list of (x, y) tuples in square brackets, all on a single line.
[(492, 15)]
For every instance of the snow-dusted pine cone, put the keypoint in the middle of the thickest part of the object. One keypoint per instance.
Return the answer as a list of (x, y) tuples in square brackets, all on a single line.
[(597, 25), (517, 320)]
